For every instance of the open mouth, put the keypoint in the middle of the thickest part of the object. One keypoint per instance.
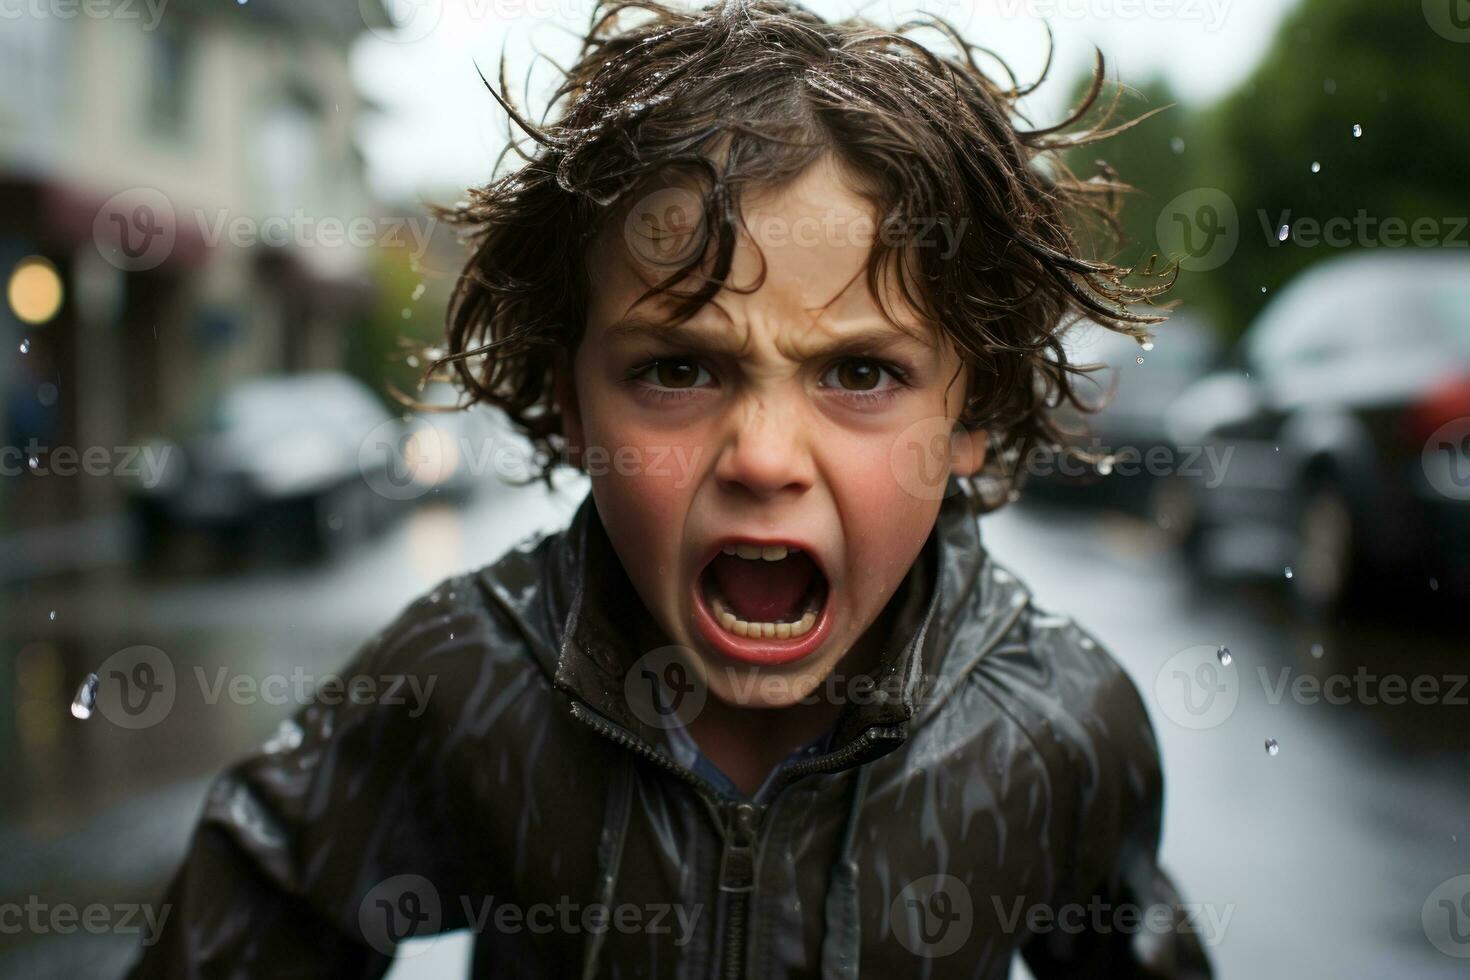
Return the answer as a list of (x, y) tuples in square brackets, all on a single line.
[(761, 602)]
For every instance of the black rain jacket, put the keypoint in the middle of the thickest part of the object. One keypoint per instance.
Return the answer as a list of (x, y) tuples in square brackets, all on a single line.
[(1004, 796)]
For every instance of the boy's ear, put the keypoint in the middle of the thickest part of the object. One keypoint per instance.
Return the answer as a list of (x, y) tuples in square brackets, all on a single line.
[(967, 448), (564, 390)]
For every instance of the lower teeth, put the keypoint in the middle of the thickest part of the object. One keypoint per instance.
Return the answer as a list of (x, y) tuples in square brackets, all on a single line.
[(779, 631)]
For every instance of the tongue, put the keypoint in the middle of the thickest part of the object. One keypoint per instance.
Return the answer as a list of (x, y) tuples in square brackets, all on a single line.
[(763, 591)]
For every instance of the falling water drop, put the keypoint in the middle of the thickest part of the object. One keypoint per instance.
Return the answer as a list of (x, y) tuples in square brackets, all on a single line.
[(1317, 651), (86, 699), (1288, 571), (1105, 465), (1140, 359), (1148, 345), (25, 345), (1263, 290), (1433, 584), (1223, 654), (417, 291), (1283, 233), (53, 615), (1316, 167), (1271, 747), (34, 463), (1177, 144), (1357, 131)]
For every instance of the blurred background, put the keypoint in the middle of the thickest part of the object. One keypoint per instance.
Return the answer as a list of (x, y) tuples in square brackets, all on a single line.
[(217, 257)]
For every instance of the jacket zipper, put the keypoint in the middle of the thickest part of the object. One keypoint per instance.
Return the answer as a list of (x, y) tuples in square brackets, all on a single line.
[(737, 881)]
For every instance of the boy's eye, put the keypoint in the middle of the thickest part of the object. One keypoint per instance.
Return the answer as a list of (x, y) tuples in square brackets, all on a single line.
[(676, 373), (857, 374)]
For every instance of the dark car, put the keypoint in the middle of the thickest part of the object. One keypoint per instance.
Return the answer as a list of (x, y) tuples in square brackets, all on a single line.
[(290, 464), (1132, 393), (1343, 433)]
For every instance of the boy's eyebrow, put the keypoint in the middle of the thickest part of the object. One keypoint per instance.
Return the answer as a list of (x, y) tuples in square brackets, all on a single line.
[(861, 339)]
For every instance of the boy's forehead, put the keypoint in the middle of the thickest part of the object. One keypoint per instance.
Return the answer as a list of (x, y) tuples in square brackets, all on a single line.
[(814, 234)]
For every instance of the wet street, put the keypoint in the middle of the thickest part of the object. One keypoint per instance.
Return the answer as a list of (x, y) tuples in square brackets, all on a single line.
[(1321, 859)]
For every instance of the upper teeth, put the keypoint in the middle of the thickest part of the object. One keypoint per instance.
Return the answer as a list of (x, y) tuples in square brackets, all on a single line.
[(767, 552)]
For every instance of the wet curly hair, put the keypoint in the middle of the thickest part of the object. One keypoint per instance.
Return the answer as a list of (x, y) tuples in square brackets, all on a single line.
[(750, 93)]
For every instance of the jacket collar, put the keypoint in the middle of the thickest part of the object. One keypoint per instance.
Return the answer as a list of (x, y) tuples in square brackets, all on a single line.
[(587, 597)]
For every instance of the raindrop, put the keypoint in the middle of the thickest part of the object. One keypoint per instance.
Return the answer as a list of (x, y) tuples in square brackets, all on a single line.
[(25, 345), (1271, 747), (1177, 144), (1283, 233), (1224, 656), (1140, 360), (1357, 131), (1288, 571), (86, 699), (1317, 651), (1105, 465), (1316, 167)]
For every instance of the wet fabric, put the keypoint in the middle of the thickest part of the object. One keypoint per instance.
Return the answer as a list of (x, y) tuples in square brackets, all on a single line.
[(998, 792)]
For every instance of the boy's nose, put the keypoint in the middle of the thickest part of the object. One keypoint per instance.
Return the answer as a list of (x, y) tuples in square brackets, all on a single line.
[(765, 453)]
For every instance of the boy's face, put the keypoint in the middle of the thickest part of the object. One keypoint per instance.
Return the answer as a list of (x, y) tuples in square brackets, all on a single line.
[(792, 415)]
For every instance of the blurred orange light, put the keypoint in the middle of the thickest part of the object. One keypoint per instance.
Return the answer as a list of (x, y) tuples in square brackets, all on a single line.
[(35, 290)]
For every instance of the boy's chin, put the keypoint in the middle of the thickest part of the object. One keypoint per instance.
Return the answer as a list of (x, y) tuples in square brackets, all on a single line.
[(757, 687)]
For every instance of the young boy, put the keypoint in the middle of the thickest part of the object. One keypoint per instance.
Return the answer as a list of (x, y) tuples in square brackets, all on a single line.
[(766, 708)]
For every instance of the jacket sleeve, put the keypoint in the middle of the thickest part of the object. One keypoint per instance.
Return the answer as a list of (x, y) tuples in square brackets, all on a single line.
[(317, 854), (1118, 915)]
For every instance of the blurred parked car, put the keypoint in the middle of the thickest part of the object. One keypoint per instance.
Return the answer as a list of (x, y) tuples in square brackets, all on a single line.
[(1332, 472), (1129, 425), (289, 463)]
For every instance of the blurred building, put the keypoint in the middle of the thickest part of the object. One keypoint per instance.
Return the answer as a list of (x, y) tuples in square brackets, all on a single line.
[(180, 169)]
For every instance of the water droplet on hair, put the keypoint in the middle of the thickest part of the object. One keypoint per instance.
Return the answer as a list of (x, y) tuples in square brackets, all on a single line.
[(1272, 748), (1223, 655), (86, 699)]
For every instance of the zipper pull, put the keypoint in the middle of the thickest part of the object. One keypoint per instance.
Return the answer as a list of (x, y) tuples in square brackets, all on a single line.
[(737, 866)]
